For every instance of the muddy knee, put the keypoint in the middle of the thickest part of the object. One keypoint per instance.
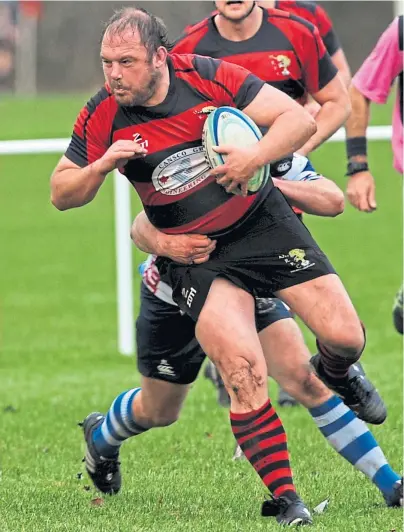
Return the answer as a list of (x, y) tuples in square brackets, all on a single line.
[(245, 380)]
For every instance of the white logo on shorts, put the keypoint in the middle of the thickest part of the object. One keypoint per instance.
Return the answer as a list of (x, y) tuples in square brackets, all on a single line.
[(188, 295), (165, 369), (282, 167)]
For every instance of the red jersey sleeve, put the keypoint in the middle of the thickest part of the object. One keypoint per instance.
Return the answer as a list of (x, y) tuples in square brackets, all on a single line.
[(226, 83), (91, 133), (326, 30)]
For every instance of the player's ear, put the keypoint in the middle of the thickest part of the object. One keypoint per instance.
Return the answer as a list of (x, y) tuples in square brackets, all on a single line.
[(160, 57)]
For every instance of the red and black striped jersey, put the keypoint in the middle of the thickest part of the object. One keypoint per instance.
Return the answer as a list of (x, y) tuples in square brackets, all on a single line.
[(286, 52), (317, 16), (173, 179)]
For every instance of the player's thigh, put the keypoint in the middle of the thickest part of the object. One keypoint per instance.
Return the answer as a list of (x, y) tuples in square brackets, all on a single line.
[(226, 325), (326, 308)]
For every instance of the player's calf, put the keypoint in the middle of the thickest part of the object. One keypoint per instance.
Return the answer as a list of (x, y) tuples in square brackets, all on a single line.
[(304, 386)]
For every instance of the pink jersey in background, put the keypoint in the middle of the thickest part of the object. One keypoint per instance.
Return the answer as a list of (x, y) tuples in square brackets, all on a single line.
[(376, 75)]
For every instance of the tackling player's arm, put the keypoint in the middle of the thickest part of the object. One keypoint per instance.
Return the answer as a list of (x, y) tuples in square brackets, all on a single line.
[(324, 85), (185, 249), (321, 196), (372, 82)]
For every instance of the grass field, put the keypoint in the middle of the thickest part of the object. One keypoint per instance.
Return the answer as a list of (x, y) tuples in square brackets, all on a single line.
[(58, 362)]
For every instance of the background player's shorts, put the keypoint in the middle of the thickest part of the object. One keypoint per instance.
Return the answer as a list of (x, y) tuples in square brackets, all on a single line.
[(166, 345), (272, 250)]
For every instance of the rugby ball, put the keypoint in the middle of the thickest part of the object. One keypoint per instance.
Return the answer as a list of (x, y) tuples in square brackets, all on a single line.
[(227, 125)]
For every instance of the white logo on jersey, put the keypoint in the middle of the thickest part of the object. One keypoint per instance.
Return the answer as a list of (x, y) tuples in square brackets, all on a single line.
[(137, 137), (165, 369), (181, 171)]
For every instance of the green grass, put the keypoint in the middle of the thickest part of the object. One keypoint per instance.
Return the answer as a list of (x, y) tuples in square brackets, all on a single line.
[(58, 362)]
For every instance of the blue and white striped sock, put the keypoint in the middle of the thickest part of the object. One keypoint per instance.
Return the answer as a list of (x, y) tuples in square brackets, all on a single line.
[(118, 426), (351, 438)]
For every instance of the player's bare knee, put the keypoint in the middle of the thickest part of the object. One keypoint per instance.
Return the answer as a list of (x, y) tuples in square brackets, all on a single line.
[(243, 378)]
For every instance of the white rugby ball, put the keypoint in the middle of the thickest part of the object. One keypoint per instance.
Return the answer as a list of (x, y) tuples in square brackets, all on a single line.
[(228, 125)]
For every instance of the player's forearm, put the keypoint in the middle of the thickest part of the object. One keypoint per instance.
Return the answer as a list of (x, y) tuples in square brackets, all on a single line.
[(74, 187), (286, 135), (146, 237), (358, 121), (321, 197), (331, 117)]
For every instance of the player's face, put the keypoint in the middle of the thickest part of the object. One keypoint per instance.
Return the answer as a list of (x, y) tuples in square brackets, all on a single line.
[(235, 10), (132, 76)]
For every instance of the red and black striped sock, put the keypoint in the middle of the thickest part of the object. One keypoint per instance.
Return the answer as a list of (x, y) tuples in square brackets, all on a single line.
[(262, 438)]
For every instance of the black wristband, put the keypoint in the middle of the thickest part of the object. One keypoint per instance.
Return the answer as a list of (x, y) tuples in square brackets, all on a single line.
[(356, 146), (355, 168)]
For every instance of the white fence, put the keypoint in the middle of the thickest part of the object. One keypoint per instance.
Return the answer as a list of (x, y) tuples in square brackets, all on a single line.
[(123, 219)]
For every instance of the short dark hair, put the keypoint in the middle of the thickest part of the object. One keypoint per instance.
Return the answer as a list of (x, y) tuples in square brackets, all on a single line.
[(152, 30)]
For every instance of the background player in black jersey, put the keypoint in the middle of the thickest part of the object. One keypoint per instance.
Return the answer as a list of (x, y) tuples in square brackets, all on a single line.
[(148, 92), (288, 53)]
